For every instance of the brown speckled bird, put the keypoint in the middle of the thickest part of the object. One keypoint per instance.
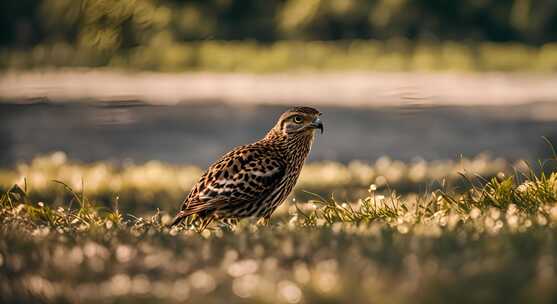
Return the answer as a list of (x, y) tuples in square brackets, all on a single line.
[(251, 181)]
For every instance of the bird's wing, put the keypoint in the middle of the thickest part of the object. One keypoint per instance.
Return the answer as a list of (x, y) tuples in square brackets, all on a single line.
[(242, 176)]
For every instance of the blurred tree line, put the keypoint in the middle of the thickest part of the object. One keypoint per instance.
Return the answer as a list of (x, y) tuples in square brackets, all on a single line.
[(123, 24), (279, 35)]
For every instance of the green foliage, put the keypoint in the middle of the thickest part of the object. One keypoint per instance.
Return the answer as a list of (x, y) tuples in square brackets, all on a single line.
[(81, 214), (248, 56), (109, 24), (277, 35)]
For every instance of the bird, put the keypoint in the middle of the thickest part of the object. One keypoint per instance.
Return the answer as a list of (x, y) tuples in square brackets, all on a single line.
[(252, 180)]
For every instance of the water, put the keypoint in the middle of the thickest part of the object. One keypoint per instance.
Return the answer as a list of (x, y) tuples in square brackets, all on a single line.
[(198, 133)]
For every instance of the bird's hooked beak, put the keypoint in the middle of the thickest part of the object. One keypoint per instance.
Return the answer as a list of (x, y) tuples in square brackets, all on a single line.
[(317, 124)]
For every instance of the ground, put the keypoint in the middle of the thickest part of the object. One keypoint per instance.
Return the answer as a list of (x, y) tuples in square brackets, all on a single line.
[(461, 239)]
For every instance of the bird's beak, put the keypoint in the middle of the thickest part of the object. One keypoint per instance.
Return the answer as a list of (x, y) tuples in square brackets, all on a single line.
[(317, 124)]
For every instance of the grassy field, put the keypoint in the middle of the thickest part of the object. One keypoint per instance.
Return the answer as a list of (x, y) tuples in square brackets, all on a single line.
[(478, 230), (291, 56)]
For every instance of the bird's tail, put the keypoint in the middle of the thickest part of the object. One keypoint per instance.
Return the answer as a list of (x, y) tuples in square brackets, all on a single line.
[(182, 215), (201, 209)]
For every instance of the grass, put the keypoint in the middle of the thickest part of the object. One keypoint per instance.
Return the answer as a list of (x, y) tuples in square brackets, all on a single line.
[(481, 240), (285, 56), (141, 188)]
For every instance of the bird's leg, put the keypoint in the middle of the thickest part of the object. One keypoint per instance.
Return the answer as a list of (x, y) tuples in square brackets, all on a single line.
[(188, 222), (206, 221), (228, 223), (265, 221)]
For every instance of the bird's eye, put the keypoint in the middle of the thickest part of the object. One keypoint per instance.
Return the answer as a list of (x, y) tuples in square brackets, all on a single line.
[(298, 119)]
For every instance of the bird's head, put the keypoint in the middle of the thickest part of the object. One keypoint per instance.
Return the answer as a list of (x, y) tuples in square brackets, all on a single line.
[(299, 120)]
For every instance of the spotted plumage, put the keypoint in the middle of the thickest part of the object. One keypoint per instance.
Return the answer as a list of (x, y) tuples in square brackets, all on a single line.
[(253, 180)]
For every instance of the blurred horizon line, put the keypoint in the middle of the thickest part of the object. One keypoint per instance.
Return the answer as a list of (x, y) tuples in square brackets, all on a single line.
[(347, 89)]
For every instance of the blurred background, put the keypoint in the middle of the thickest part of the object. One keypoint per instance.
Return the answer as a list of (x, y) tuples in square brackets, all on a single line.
[(184, 81), (417, 191)]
